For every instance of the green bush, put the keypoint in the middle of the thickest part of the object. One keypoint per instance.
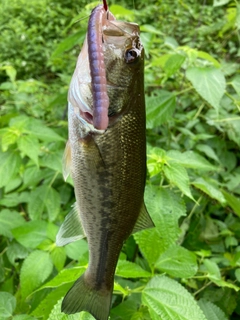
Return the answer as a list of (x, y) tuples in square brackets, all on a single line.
[(188, 267)]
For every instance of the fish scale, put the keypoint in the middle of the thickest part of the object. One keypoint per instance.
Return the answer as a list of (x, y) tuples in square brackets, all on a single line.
[(108, 167)]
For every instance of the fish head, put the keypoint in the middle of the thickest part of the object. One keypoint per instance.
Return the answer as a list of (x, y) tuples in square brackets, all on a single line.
[(124, 62)]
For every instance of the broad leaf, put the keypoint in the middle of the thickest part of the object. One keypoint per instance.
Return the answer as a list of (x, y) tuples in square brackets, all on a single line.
[(211, 311), (160, 108), (7, 305), (8, 221), (35, 270), (209, 83), (31, 234), (29, 146), (232, 201), (127, 269), (210, 189), (178, 262), (167, 299), (10, 163)]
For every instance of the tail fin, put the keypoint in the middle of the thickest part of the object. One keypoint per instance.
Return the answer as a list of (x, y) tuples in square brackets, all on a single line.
[(83, 298)]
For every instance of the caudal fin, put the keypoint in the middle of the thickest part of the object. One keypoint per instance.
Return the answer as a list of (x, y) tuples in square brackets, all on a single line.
[(83, 298)]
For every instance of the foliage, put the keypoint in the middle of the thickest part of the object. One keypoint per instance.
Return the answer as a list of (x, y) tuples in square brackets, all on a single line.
[(188, 267)]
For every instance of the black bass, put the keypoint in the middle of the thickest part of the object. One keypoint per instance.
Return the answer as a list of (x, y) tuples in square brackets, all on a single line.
[(106, 155)]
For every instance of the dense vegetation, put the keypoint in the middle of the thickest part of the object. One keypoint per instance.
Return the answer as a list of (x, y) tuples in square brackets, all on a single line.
[(188, 267)]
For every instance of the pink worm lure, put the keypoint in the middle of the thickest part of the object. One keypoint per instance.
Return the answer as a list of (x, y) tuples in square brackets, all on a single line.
[(97, 66)]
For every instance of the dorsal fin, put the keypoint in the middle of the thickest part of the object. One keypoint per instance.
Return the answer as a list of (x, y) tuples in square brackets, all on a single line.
[(71, 230), (144, 220)]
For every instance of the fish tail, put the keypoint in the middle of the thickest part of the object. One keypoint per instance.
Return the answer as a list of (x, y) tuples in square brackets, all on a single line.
[(82, 297)]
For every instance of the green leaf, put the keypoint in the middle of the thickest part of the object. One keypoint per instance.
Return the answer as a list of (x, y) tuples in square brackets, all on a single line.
[(31, 234), (160, 108), (236, 84), (208, 151), (211, 311), (39, 130), (23, 317), (65, 276), (56, 314), (121, 11), (178, 176), (127, 269), (206, 56), (77, 249), (68, 43), (35, 270), (213, 269), (16, 251), (7, 305), (44, 196), (232, 201), (178, 262), (10, 163), (217, 3), (165, 208), (58, 256), (210, 189), (209, 83), (8, 221), (167, 299), (190, 159), (29, 146), (173, 63), (46, 305)]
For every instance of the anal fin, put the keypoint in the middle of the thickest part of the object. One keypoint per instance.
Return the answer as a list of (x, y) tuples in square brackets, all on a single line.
[(144, 220), (71, 230)]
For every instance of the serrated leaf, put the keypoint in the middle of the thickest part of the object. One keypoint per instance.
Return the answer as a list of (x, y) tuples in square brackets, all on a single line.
[(208, 82), (58, 256), (190, 159), (31, 234), (35, 270), (65, 276), (167, 299), (165, 208), (173, 63), (160, 108), (208, 151), (8, 221), (127, 269), (46, 305), (178, 176), (7, 305), (10, 163), (44, 196), (210, 189), (16, 251), (29, 146), (211, 311), (56, 314), (178, 262), (232, 201)]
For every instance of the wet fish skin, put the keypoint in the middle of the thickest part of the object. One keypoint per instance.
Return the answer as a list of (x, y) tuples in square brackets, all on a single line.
[(108, 167)]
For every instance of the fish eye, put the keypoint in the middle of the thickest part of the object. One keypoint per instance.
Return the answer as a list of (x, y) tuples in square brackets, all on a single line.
[(131, 55)]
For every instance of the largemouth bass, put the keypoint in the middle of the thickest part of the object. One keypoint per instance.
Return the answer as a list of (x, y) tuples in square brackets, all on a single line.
[(106, 155)]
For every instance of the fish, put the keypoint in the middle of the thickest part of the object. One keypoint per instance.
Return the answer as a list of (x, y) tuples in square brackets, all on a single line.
[(105, 155)]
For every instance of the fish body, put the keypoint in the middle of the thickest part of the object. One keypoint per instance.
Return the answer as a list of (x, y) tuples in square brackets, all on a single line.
[(108, 166)]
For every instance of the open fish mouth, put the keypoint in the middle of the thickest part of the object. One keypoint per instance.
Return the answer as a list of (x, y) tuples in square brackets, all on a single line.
[(92, 85)]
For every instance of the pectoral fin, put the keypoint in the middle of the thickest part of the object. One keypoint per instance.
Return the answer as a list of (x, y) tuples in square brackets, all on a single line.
[(71, 229), (67, 161), (144, 220)]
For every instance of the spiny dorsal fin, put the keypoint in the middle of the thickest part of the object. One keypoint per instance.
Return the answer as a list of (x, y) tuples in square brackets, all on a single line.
[(144, 220), (71, 230), (67, 161)]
